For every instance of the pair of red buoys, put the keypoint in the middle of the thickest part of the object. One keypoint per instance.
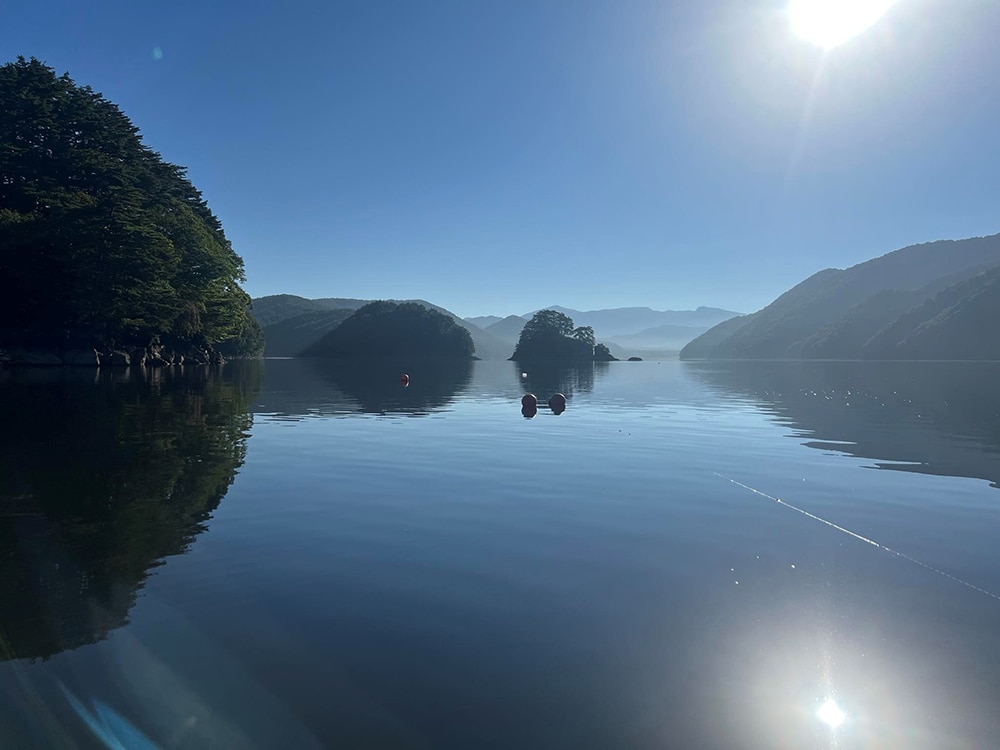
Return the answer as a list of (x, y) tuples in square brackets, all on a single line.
[(529, 403)]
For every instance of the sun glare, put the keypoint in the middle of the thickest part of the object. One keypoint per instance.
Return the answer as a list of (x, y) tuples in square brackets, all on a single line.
[(831, 714), (828, 23)]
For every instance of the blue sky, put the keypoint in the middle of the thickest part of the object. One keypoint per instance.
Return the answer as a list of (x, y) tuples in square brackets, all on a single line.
[(496, 157)]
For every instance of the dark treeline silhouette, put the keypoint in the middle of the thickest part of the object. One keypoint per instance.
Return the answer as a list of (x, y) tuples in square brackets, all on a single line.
[(550, 336), (390, 329), (927, 417), (105, 476), (102, 242)]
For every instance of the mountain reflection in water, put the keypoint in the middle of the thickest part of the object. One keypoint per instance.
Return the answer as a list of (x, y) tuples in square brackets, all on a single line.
[(940, 418)]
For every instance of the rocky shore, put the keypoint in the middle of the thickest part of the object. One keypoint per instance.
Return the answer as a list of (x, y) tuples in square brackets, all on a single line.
[(127, 356)]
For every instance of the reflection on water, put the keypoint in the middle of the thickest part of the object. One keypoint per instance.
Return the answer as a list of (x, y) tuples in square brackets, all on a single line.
[(938, 418), (545, 378), (105, 475), (327, 387), (376, 582)]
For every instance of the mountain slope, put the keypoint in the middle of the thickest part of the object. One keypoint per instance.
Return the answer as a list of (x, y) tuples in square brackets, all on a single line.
[(508, 329), (660, 337), (958, 323), (291, 336), (834, 312), (484, 321), (277, 307)]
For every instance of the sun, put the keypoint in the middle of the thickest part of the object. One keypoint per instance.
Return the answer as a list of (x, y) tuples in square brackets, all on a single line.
[(828, 23)]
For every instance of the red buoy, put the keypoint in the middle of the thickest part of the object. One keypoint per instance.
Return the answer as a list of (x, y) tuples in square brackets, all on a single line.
[(558, 403), (529, 401), (404, 379)]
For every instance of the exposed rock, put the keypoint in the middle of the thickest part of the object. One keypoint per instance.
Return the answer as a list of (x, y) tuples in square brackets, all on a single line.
[(635, 359)]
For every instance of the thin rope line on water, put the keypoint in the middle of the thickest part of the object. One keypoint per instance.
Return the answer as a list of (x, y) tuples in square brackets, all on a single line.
[(866, 540)]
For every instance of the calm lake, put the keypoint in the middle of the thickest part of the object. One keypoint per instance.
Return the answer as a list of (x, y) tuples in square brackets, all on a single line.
[(305, 554)]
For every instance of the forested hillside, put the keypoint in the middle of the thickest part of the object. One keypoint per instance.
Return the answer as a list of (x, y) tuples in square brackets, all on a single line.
[(103, 244), (927, 301)]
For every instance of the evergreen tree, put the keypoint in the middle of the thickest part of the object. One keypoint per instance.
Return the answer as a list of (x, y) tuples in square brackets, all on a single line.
[(100, 239), (550, 335)]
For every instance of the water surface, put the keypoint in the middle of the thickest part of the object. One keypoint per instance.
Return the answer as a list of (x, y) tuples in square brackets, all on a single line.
[(297, 553)]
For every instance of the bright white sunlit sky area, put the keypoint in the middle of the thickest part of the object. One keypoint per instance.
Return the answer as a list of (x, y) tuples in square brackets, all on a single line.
[(496, 157)]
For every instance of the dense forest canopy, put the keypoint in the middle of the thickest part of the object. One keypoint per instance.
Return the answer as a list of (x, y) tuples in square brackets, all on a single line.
[(381, 329), (101, 240), (550, 335)]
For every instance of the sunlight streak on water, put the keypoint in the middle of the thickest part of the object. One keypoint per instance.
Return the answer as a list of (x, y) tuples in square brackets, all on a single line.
[(864, 539)]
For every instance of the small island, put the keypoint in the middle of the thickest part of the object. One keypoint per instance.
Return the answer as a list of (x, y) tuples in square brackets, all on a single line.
[(550, 336), (391, 329)]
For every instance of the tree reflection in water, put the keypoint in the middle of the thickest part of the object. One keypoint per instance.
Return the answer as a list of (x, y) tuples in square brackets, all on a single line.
[(104, 474)]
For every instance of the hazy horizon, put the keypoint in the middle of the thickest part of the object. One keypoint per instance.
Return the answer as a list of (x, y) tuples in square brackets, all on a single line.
[(664, 154)]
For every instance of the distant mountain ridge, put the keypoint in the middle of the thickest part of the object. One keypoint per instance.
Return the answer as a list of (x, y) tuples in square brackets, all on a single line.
[(507, 329), (291, 323), (626, 330), (660, 337), (623, 321), (928, 301)]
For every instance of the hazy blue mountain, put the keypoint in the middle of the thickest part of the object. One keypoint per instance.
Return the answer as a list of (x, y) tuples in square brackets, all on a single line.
[(508, 329), (667, 337), (703, 346), (957, 323), (620, 321), (834, 313), (351, 303), (291, 336), (277, 308), (484, 321)]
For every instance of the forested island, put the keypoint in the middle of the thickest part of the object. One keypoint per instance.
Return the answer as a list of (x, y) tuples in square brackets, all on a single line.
[(390, 329), (108, 253), (551, 336)]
